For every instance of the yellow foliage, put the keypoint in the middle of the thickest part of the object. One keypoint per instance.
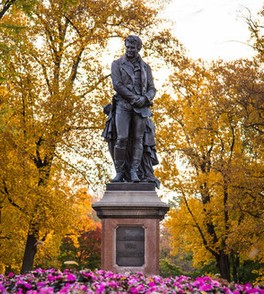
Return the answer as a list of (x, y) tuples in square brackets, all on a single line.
[(184, 232), (260, 278), (218, 178), (55, 86)]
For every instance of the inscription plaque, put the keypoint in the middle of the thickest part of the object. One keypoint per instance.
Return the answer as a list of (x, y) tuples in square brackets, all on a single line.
[(130, 246)]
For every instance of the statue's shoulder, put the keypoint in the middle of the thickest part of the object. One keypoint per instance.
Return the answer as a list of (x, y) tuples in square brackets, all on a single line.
[(120, 60), (144, 63)]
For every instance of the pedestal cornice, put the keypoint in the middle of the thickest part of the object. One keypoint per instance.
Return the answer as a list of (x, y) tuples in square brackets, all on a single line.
[(130, 200)]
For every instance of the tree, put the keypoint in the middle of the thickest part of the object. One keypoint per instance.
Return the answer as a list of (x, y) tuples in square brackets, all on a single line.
[(51, 118), (255, 27), (25, 5), (86, 252), (74, 233), (222, 175)]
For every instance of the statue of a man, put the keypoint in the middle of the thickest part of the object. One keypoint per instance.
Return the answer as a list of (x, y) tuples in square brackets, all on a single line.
[(133, 82)]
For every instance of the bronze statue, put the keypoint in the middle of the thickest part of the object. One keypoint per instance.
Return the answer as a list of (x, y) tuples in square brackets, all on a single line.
[(129, 130)]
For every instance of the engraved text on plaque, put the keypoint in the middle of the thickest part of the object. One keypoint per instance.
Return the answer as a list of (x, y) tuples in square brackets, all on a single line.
[(130, 246)]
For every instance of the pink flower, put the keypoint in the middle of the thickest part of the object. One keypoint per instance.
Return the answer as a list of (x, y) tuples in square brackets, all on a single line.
[(100, 282), (89, 275), (151, 284), (66, 289), (83, 288), (51, 278), (253, 291), (46, 290), (205, 287), (133, 290), (41, 284), (100, 288), (11, 275), (71, 278)]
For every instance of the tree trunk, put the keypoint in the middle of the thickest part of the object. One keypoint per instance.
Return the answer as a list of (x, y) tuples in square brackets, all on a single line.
[(223, 265), (30, 251), (235, 266)]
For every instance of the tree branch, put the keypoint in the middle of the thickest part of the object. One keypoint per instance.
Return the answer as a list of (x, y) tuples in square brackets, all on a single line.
[(205, 243), (95, 85), (6, 6), (11, 201)]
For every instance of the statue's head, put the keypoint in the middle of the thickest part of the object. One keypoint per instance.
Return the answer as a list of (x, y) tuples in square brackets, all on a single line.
[(134, 40), (133, 45)]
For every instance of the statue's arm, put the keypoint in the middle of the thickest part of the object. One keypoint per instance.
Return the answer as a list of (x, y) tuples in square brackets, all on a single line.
[(151, 90), (118, 85)]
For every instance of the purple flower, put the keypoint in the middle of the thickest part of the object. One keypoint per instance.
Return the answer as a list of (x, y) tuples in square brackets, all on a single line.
[(41, 284), (2, 289), (253, 291), (151, 284), (133, 281), (100, 288), (83, 288), (89, 275), (46, 290), (71, 278), (11, 275), (51, 278), (227, 290), (205, 287), (140, 288), (23, 284), (133, 290), (53, 281), (65, 289), (112, 284)]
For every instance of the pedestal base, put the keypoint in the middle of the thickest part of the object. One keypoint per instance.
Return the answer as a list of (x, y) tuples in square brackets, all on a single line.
[(130, 214)]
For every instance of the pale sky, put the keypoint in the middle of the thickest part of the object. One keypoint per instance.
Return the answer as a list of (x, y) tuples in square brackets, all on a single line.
[(211, 29)]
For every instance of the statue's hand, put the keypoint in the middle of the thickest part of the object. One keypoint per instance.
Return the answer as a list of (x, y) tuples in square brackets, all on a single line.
[(140, 102)]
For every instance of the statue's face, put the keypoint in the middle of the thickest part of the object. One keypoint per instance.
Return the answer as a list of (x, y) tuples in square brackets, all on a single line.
[(131, 50)]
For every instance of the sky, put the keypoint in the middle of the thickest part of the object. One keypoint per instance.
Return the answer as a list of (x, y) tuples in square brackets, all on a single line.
[(212, 29)]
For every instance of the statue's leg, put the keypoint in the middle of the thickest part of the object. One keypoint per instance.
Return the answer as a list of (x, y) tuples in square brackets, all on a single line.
[(119, 160), (120, 150), (138, 129)]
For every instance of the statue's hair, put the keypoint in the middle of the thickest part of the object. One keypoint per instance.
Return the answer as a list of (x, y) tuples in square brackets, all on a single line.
[(134, 40)]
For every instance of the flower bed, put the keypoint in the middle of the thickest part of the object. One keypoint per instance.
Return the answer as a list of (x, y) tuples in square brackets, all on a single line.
[(86, 281)]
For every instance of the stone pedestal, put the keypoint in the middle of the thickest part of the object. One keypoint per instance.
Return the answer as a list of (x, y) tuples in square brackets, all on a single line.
[(130, 214)]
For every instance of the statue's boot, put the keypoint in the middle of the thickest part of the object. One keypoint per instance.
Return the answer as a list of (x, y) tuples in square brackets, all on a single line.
[(133, 175), (119, 160), (136, 160)]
